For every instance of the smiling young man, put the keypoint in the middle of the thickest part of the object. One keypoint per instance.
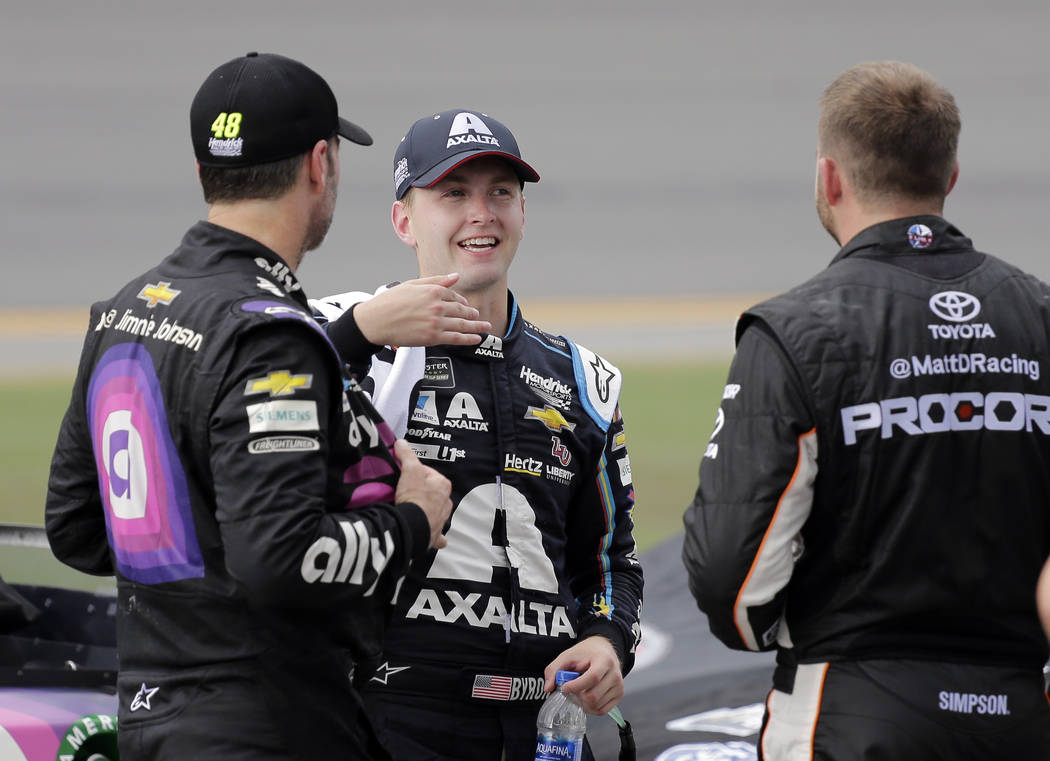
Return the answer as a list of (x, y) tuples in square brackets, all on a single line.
[(539, 572)]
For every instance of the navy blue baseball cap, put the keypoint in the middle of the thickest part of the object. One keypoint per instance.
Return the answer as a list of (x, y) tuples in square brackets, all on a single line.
[(263, 107), (435, 145)]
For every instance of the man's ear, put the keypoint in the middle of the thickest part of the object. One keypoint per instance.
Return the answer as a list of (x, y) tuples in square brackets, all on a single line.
[(830, 174), (953, 180), (522, 216), (402, 226), (317, 166)]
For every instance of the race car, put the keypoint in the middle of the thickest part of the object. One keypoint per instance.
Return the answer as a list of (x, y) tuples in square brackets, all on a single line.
[(58, 657)]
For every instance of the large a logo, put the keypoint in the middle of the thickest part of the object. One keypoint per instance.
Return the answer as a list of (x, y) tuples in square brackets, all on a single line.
[(955, 306), (469, 128)]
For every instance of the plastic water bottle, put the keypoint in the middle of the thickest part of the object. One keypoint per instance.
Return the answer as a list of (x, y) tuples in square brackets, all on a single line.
[(561, 724)]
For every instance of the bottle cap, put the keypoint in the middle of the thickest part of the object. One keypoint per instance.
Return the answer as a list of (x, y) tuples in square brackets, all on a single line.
[(562, 677)]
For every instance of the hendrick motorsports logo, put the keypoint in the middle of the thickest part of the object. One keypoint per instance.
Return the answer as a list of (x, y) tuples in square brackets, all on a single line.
[(963, 364), (955, 306)]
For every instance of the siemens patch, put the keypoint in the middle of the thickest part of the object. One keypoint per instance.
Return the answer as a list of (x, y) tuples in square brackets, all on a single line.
[(282, 416)]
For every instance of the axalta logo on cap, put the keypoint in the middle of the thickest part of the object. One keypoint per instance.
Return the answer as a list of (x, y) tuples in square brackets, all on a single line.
[(469, 128), (920, 236)]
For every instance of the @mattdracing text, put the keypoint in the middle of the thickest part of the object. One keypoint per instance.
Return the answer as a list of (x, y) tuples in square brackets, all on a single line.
[(963, 364)]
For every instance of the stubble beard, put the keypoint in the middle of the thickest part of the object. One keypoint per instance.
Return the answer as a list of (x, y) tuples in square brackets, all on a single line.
[(320, 218), (824, 211)]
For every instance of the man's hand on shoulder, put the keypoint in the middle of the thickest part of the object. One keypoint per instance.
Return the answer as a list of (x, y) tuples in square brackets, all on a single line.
[(421, 312), (599, 687)]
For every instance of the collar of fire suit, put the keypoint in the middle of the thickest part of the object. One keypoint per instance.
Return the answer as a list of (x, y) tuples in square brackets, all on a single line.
[(215, 248), (924, 234), (493, 347)]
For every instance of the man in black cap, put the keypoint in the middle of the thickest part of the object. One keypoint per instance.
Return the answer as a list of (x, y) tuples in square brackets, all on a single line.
[(874, 503), (540, 572), (255, 509)]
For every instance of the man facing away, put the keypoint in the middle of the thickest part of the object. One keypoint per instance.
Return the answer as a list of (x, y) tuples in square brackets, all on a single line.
[(873, 503), (249, 499), (540, 571)]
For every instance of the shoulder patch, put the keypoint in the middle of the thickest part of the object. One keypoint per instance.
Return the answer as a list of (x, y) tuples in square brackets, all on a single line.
[(599, 382), (285, 311)]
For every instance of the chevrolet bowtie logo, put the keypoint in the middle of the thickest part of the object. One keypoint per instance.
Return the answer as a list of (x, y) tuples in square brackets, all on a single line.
[(279, 383), (550, 417), (601, 607), (158, 294)]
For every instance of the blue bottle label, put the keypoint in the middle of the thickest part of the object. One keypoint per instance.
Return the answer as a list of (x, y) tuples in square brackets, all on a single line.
[(557, 749)]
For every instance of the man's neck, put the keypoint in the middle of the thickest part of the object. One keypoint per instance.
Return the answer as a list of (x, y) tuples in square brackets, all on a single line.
[(269, 222), (492, 306), (860, 218)]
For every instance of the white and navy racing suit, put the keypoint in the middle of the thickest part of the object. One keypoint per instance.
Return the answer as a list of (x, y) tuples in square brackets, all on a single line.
[(875, 502), (540, 547), (214, 460)]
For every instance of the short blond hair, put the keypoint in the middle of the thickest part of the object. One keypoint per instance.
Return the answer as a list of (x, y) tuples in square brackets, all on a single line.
[(894, 128)]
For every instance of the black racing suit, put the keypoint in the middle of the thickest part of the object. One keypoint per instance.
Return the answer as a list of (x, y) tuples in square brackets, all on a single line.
[(876, 495), (540, 548), (214, 459)]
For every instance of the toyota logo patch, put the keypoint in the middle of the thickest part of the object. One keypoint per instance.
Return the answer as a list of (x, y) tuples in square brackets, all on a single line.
[(955, 306)]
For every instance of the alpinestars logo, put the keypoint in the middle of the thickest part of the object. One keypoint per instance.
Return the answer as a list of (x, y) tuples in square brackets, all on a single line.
[(469, 128), (142, 698), (602, 376)]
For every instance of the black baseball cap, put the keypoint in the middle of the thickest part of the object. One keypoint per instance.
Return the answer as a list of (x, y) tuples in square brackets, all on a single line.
[(435, 145), (263, 107)]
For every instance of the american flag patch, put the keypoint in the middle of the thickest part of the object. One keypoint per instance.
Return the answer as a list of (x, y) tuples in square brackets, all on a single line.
[(491, 687)]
